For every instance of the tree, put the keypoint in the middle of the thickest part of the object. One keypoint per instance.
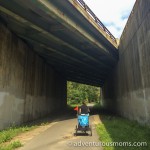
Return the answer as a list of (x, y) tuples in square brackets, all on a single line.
[(76, 93)]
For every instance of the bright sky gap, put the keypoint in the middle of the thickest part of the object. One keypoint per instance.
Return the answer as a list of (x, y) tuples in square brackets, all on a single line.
[(112, 13)]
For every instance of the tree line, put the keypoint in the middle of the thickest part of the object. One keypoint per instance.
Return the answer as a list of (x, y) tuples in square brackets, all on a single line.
[(76, 93)]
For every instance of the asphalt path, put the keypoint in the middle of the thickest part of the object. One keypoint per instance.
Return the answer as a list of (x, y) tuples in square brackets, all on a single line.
[(60, 136)]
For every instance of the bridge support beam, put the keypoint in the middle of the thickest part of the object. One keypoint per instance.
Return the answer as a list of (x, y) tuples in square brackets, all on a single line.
[(127, 91), (29, 87)]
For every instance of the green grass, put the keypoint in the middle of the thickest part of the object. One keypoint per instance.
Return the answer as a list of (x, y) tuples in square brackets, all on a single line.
[(11, 146), (73, 105), (97, 105), (9, 134), (116, 129)]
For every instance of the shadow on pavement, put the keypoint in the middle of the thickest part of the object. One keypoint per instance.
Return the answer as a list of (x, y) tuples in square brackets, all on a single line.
[(68, 113)]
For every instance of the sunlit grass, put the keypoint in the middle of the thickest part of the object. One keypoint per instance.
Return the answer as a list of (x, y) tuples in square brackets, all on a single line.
[(116, 129), (11, 146), (8, 134)]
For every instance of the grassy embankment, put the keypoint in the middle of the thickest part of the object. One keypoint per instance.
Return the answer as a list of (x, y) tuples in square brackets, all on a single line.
[(117, 129), (7, 135)]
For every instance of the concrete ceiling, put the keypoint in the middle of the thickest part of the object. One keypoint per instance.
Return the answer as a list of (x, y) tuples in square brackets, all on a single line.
[(65, 35)]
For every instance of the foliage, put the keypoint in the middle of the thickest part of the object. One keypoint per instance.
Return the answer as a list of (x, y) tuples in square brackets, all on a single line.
[(11, 146), (8, 134), (116, 129), (79, 92)]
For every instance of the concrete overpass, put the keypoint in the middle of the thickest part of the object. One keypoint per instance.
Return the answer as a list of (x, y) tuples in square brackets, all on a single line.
[(67, 35), (44, 43), (127, 90)]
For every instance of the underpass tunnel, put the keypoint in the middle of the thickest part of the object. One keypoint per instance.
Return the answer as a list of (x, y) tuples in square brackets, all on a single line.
[(42, 46)]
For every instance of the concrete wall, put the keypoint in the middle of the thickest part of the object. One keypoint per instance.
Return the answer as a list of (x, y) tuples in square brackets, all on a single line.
[(127, 90), (29, 88)]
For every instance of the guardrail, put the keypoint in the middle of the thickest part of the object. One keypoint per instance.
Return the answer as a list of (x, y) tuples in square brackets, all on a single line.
[(89, 11)]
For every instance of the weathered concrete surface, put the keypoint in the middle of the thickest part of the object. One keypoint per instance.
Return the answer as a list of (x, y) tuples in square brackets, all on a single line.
[(127, 91), (29, 88), (75, 42)]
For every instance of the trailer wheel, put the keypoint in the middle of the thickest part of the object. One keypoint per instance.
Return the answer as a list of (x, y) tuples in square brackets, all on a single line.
[(90, 130), (76, 130)]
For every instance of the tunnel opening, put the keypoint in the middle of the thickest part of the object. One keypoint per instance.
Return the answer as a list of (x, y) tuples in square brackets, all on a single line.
[(77, 93)]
